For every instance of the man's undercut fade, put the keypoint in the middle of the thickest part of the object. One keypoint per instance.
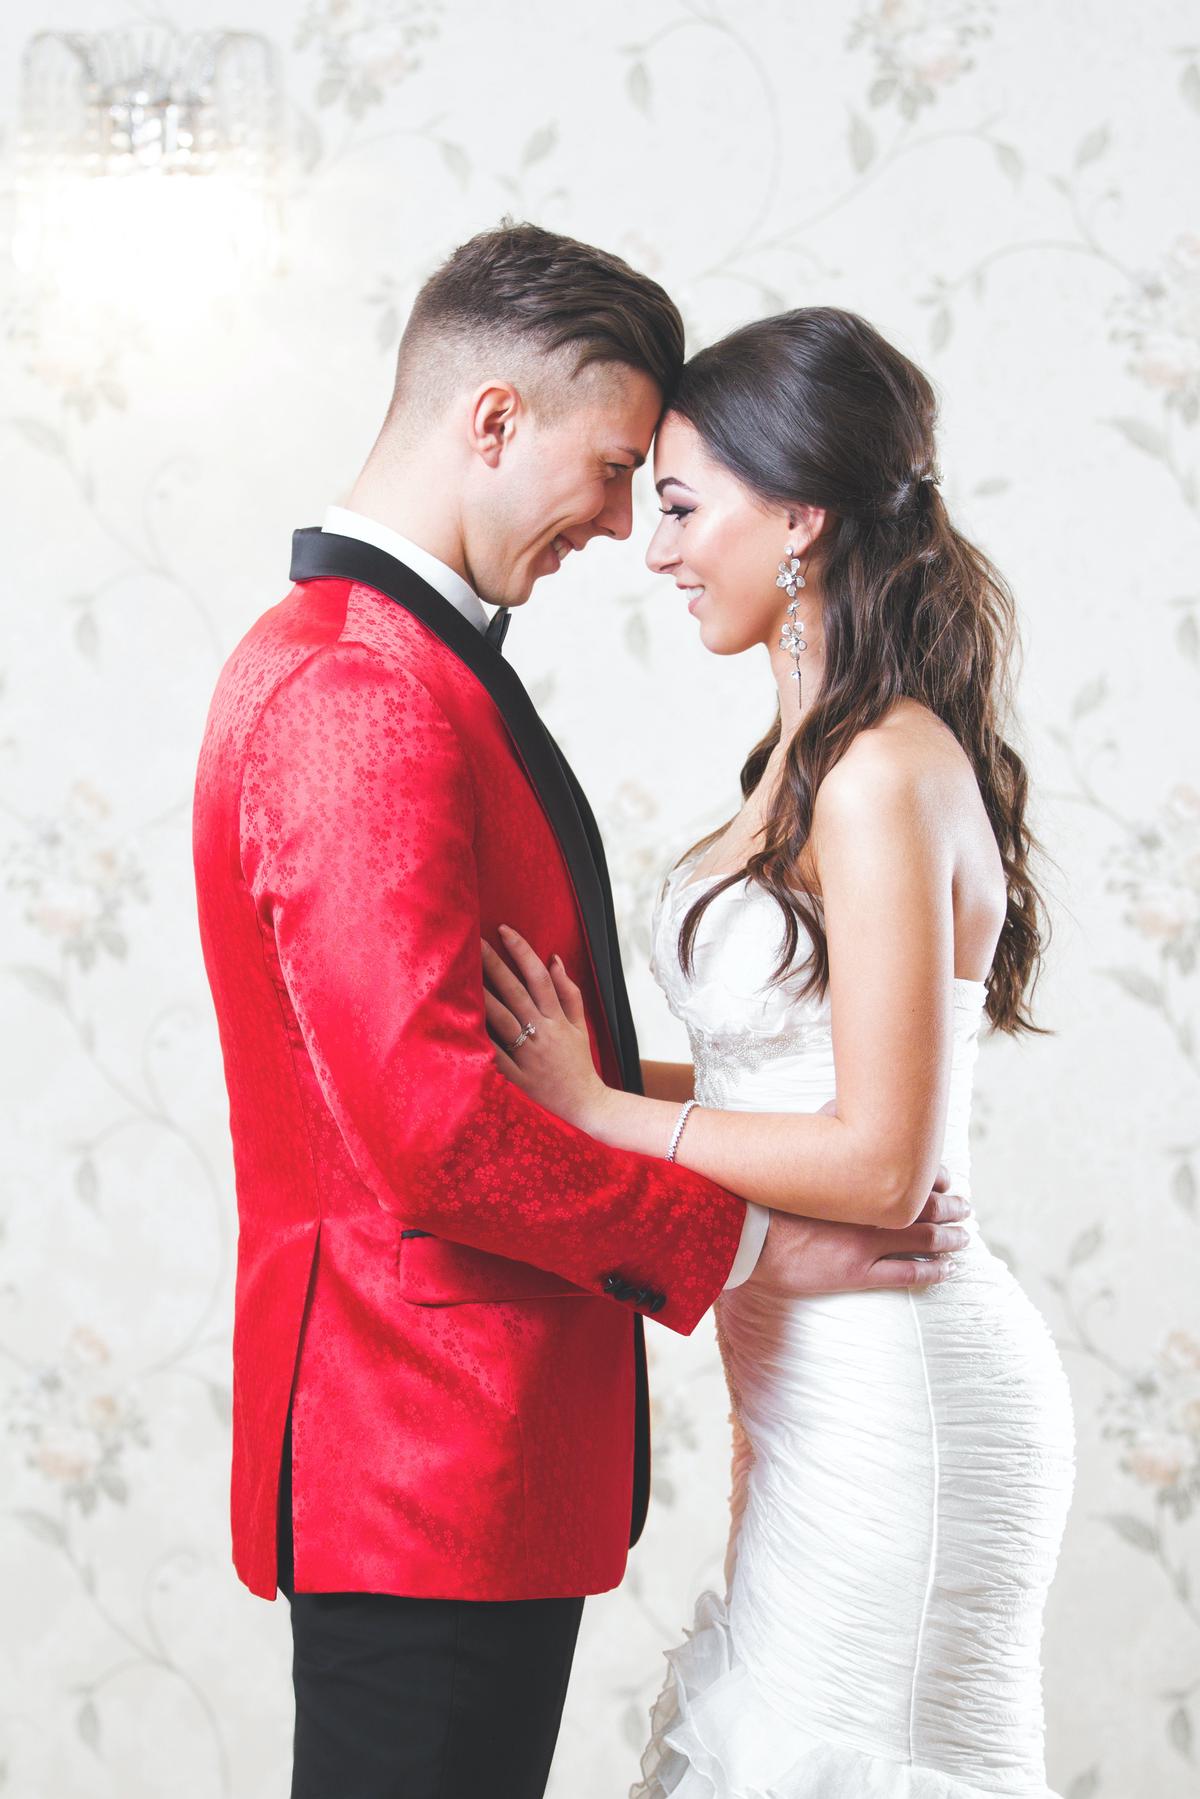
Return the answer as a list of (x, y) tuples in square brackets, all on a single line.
[(538, 309)]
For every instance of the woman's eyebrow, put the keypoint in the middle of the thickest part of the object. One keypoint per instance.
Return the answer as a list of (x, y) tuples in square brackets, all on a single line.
[(672, 481)]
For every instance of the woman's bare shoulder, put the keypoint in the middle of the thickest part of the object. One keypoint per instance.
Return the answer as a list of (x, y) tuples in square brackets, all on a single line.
[(910, 757)]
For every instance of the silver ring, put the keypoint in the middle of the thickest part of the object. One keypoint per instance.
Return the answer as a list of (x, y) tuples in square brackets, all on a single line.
[(529, 1031)]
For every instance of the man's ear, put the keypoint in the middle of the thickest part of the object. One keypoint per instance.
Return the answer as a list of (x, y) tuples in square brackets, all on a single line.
[(492, 421)]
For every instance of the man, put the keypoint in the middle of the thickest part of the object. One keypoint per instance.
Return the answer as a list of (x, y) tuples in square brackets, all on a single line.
[(440, 1286)]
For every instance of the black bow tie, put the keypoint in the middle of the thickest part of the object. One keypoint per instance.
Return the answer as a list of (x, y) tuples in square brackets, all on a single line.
[(497, 627)]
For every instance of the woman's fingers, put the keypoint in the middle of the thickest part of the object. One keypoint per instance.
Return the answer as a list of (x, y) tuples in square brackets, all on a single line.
[(502, 1026), (508, 1067), (570, 998), (533, 971), (507, 987)]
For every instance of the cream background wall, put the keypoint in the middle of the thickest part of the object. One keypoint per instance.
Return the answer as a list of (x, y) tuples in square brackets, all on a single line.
[(1003, 190)]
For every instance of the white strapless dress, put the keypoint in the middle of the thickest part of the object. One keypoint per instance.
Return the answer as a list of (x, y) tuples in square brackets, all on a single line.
[(902, 1471)]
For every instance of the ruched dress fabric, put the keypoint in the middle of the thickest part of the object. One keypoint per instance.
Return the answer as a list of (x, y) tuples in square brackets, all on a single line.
[(903, 1465)]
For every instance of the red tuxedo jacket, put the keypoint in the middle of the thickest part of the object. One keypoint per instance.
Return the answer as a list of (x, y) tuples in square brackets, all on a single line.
[(443, 1279)]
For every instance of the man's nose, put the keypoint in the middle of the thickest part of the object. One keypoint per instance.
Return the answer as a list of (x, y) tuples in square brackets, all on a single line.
[(616, 520)]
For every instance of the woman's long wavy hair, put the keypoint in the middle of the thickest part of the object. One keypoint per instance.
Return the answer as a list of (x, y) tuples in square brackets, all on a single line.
[(815, 407)]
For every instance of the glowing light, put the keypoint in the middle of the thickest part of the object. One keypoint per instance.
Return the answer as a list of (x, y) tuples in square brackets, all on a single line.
[(148, 166)]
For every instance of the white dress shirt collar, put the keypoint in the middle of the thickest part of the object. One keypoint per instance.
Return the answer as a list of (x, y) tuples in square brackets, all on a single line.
[(344, 523)]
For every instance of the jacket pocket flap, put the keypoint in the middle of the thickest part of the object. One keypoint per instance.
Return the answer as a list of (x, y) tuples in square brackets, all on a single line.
[(436, 1272)]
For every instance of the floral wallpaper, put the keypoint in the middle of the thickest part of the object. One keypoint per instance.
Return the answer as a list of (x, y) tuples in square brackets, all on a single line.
[(1003, 190)]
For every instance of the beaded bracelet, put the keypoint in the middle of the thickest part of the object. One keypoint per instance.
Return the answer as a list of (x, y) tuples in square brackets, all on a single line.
[(679, 1124)]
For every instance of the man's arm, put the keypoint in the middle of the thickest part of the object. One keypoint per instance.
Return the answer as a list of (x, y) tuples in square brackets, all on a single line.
[(357, 842)]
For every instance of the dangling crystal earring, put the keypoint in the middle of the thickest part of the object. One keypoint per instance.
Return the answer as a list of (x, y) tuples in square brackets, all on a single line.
[(792, 640)]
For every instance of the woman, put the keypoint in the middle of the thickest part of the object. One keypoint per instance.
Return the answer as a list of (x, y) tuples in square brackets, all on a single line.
[(903, 1461)]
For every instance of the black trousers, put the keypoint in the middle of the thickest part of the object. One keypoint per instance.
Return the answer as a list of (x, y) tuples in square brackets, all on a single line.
[(400, 1698)]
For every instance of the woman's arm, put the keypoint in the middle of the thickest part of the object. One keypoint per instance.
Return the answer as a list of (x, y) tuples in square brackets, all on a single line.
[(886, 871), (668, 1080)]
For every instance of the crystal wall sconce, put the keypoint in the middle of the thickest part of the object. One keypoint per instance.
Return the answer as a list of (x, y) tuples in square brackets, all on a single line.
[(147, 159)]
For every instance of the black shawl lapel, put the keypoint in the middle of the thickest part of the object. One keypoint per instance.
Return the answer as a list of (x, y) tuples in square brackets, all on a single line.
[(323, 555)]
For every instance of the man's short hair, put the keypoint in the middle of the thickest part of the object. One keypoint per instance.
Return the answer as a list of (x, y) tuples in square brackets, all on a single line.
[(546, 307)]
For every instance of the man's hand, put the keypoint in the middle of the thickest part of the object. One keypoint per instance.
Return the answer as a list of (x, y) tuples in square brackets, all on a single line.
[(811, 1255)]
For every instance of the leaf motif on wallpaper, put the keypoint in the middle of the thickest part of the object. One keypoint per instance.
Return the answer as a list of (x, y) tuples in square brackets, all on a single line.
[(1187, 636), (1135, 1531), (222, 1401), (1010, 161), (1137, 984), (1179, 1730), (41, 435), (39, 982), (637, 636), (1183, 1188), (539, 146), (87, 1723), (1189, 85), (542, 691), (1092, 146), (1085, 1245), (362, 97), (1143, 436), (44, 1527), (862, 143), (1084, 1785), (87, 636), (1091, 695), (87, 1182), (456, 160), (637, 82)]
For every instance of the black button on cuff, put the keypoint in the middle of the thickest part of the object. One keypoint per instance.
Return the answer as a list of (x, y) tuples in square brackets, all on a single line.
[(620, 1288)]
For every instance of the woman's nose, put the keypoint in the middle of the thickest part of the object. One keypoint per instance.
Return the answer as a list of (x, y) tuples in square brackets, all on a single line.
[(659, 558)]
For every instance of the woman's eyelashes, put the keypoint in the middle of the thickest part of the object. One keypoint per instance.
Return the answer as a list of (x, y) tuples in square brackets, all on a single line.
[(679, 512)]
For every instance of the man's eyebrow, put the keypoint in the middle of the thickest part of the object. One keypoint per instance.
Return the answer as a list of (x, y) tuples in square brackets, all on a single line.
[(672, 481), (638, 458)]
